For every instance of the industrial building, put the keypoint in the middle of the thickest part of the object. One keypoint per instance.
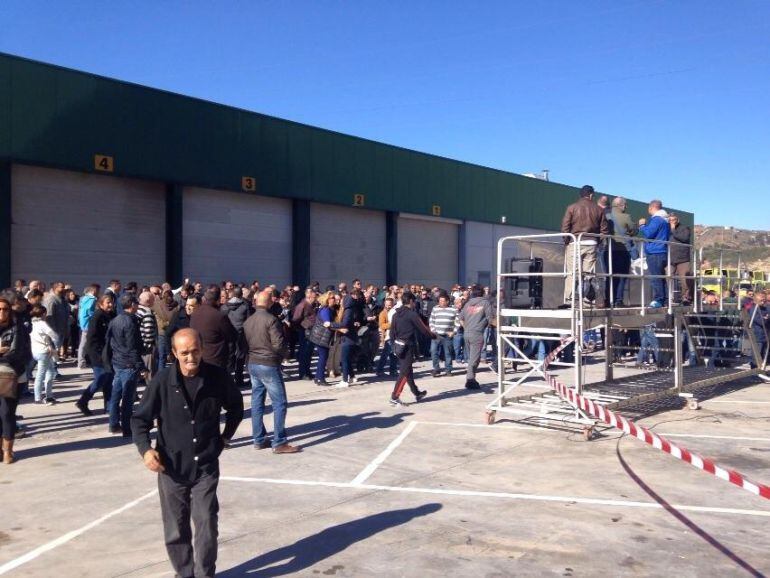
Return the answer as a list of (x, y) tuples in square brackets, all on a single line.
[(101, 178)]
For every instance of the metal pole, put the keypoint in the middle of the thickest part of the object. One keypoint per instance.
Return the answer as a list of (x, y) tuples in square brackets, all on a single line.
[(678, 361)]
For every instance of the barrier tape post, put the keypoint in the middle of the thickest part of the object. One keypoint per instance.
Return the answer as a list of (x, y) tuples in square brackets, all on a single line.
[(642, 433)]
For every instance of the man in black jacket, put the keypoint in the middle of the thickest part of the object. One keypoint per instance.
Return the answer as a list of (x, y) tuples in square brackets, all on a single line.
[(237, 310), (186, 400), (96, 336), (405, 327), (214, 327), (125, 351), (681, 257)]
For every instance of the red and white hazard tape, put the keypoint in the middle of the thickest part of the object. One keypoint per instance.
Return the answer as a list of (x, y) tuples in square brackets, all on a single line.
[(659, 442)]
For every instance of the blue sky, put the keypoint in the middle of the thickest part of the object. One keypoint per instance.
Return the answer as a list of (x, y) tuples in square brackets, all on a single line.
[(642, 98)]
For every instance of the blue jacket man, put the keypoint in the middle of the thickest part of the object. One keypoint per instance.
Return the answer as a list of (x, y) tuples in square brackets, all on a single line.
[(657, 231)]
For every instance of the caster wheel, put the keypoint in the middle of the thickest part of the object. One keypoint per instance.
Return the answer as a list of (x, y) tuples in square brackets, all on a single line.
[(693, 404), (490, 417), (588, 433)]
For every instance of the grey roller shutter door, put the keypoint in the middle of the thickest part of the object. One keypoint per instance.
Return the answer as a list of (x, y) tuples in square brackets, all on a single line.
[(236, 236), (346, 243), (83, 228)]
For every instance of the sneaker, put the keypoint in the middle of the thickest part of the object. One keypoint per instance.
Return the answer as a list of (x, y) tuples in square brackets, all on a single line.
[(420, 395), (656, 304), (39, 402), (83, 408), (50, 401), (320, 382), (115, 430), (397, 403), (342, 384)]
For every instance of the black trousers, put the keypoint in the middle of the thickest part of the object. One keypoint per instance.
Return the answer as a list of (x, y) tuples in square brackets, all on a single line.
[(180, 503), (8, 416), (405, 374)]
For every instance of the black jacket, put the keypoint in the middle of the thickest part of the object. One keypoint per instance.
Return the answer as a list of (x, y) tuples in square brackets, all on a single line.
[(15, 337), (237, 311), (679, 252), (125, 343), (406, 324), (189, 439), (97, 336)]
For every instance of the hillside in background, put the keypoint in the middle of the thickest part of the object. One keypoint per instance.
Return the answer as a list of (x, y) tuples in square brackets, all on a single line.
[(753, 245)]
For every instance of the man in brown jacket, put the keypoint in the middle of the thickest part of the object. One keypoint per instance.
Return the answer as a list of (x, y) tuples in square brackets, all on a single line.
[(267, 349), (583, 216)]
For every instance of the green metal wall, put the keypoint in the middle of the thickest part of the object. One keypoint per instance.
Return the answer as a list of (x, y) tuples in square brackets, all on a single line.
[(57, 117)]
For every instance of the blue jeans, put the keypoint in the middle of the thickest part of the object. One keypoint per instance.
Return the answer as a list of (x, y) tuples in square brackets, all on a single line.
[(161, 350), (320, 368), (346, 359), (444, 343), (122, 398), (457, 346), (267, 379), (649, 345), (656, 265), (102, 380), (305, 353), (46, 371), (387, 355)]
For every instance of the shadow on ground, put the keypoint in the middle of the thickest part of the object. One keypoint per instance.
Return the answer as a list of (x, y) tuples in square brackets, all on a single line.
[(311, 550)]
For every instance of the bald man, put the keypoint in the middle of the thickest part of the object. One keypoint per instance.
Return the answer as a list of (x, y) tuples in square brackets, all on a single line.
[(186, 399), (267, 349)]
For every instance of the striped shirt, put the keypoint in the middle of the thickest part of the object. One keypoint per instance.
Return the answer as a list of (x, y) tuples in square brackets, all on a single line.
[(442, 320), (148, 327)]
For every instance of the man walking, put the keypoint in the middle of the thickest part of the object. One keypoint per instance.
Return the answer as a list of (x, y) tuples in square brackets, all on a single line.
[(267, 349), (386, 355), (475, 317), (657, 231), (125, 347), (186, 399), (442, 324), (583, 216), (97, 336)]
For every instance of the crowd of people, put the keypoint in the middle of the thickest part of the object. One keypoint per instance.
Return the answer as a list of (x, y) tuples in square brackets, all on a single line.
[(124, 334)]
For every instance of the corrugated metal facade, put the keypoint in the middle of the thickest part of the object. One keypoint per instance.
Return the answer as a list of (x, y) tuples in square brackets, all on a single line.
[(52, 116)]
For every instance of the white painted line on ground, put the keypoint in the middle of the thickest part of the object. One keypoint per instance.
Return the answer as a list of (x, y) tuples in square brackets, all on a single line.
[(377, 462), (547, 430), (32, 554), (505, 495), (735, 401)]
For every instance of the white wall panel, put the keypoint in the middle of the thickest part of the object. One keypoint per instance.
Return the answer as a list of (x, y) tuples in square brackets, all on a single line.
[(346, 243), (83, 228), (427, 251), (236, 236)]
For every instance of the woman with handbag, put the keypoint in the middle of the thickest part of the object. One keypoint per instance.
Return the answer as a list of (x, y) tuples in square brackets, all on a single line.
[(13, 362), (321, 335), (43, 339), (349, 341)]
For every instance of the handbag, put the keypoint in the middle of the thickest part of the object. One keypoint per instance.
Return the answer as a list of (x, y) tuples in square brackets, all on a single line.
[(320, 335), (8, 383), (399, 348)]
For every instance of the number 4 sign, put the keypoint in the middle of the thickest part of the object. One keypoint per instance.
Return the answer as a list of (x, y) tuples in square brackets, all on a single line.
[(104, 163)]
